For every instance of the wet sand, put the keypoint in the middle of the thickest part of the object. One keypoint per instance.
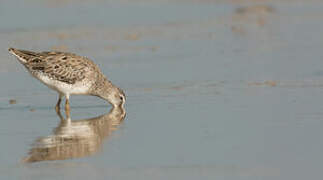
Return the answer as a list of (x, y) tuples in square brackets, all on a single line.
[(215, 89)]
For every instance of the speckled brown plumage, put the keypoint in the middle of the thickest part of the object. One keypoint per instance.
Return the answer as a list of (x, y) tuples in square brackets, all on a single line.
[(68, 73), (62, 66)]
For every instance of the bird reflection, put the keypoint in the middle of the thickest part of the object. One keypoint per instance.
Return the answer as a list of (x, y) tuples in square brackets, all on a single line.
[(76, 138)]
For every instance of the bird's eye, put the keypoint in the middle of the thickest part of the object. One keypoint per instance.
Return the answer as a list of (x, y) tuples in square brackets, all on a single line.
[(121, 98)]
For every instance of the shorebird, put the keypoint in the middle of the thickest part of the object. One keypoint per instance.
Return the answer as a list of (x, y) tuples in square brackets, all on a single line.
[(68, 74)]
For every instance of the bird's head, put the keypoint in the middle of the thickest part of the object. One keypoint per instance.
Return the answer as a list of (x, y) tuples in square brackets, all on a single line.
[(114, 96)]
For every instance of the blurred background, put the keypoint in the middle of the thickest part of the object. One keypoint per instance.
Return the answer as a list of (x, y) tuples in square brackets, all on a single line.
[(216, 89)]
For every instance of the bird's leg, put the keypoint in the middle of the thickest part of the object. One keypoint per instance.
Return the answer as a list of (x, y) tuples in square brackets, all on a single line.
[(57, 107), (58, 111), (67, 106), (64, 122)]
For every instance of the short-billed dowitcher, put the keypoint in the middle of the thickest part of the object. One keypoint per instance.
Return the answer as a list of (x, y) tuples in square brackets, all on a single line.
[(68, 74)]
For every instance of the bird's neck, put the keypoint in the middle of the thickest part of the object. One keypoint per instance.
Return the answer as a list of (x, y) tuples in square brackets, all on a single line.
[(102, 88)]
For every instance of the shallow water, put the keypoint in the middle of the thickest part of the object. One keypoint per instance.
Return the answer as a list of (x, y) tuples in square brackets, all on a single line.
[(215, 89)]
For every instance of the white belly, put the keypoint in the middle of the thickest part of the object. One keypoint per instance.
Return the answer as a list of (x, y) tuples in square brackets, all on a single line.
[(80, 87)]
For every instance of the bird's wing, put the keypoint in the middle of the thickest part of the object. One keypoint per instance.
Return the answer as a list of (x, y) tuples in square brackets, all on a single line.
[(65, 67)]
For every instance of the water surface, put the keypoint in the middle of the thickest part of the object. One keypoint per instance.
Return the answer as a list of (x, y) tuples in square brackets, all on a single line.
[(215, 89)]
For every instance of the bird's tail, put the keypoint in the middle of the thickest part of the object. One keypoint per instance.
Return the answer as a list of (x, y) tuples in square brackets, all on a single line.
[(22, 55)]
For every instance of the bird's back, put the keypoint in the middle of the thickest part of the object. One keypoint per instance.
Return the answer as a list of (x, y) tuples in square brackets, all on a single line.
[(61, 66)]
